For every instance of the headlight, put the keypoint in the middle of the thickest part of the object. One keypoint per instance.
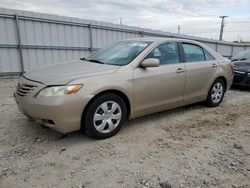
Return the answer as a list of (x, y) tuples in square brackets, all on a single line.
[(59, 90)]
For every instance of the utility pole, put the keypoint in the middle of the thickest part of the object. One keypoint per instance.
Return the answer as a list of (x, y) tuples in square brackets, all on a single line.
[(222, 26), (179, 29), (120, 21)]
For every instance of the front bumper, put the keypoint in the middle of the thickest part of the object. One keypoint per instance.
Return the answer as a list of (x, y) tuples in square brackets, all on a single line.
[(61, 113), (241, 79)]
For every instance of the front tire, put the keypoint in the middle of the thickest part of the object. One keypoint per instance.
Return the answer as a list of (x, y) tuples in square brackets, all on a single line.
[(216, 93), (105, 116)]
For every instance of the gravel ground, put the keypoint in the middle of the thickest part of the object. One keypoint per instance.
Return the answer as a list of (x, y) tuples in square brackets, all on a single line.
[(192, 146)]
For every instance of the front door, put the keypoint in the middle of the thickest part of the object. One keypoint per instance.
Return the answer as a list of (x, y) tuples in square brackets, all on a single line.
[(160, 88)]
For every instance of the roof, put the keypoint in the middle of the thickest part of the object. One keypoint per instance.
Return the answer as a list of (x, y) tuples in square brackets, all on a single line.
[(161, 39)]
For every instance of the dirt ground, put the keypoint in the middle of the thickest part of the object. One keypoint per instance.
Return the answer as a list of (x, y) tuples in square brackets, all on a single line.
[(192, 146)]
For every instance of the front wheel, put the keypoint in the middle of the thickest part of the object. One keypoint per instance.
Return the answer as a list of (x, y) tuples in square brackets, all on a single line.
[(216, 93), (105, 116)]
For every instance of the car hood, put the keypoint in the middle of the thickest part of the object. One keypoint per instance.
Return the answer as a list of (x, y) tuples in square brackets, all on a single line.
[(243, 66), (63, 73)]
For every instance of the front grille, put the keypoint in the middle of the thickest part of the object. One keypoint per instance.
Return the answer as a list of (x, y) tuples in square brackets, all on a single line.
[(25, 89)]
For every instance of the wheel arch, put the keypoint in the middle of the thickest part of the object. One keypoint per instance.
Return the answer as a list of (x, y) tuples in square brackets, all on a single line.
[(110, 91), (223, 79)]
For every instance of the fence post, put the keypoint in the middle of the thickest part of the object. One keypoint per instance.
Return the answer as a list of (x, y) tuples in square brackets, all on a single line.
[(232, 51), (91, 38), (141, 33), (19, 43), (216, 47)]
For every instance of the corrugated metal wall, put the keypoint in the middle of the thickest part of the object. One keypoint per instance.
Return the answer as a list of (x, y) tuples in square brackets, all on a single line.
[(30, 40)]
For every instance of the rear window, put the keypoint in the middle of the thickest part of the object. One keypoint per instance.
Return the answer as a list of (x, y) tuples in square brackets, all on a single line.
[(193, 53), (208, 56)]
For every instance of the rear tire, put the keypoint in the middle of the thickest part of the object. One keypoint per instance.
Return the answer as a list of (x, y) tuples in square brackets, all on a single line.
[(105, 116), (216, 93)]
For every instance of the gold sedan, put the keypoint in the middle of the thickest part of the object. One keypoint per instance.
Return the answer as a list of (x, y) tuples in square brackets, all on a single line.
[(128, 79)]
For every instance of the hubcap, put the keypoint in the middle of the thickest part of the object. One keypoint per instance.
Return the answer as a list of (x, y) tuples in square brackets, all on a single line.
[(107, 117), (217, 92)]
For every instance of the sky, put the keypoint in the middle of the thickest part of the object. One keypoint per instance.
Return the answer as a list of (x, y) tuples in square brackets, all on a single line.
[(196, 17)]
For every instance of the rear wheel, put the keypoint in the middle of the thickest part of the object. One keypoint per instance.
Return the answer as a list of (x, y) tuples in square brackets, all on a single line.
[(105, 116), (216, 93)]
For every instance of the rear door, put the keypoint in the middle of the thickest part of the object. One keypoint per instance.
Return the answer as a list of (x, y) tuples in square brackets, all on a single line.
[(162, 87), (201, 68)]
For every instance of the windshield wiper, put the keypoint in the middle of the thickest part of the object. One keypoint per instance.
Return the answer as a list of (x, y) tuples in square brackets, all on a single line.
[(94, 61), (242, 59)]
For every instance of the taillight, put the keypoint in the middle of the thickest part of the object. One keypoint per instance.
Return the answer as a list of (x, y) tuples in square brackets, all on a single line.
[(232, 67)]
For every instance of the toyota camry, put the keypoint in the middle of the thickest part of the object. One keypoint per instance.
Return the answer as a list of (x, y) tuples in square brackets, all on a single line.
[(129, 79)]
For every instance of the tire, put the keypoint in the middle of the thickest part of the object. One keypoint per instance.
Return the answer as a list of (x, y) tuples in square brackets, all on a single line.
[(105, 116), (216, 93)]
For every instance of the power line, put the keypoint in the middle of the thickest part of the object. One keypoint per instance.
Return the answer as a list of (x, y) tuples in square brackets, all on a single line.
[(214, 32), (239, 22)]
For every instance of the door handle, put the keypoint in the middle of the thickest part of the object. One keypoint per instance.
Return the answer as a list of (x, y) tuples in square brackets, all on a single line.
[(214, 65), (179, 70)]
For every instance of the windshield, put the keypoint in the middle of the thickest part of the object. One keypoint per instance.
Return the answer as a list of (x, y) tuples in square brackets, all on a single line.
[(120, 53), (242, 55)]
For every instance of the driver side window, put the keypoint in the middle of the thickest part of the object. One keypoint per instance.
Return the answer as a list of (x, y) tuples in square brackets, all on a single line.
[(167, 53)]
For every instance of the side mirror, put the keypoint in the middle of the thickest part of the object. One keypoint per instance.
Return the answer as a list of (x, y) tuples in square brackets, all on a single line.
[(150, 62)]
